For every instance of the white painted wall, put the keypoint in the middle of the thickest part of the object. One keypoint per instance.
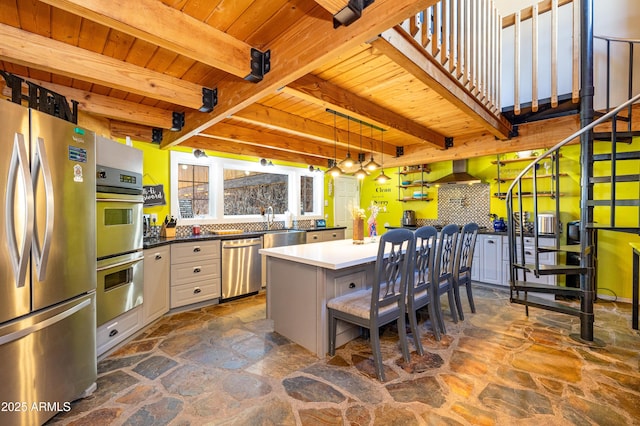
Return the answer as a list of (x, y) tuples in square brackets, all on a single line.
[(616, 18)]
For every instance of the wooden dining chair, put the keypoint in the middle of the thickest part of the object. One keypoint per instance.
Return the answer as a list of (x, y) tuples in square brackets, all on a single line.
[(420, 289), (443, 272), (462, 266), (384, 301)]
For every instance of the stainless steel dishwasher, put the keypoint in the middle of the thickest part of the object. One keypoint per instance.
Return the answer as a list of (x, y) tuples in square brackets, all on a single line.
[(241, 265)]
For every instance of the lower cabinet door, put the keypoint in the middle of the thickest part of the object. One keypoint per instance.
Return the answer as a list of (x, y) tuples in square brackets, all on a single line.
[(157, 272), (491, 259)]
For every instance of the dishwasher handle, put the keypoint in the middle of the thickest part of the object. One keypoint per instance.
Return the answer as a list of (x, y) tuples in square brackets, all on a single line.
[(241, 244)]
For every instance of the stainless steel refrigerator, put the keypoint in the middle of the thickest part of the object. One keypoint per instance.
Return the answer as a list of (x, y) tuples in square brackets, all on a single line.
[(47, 265)]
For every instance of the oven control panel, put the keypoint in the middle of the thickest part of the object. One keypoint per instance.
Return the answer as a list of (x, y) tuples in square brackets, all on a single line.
[(109, 179)]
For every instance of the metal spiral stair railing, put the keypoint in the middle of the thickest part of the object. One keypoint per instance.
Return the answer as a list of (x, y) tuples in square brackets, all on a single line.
[(519, 288)]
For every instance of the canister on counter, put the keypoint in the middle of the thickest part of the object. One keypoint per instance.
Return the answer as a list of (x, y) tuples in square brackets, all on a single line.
[(196, 229)]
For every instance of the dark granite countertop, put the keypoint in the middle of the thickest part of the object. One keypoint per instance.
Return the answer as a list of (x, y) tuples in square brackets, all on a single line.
[(151, 242)]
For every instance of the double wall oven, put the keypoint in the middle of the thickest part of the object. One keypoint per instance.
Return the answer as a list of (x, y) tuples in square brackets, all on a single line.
[(119, 229)]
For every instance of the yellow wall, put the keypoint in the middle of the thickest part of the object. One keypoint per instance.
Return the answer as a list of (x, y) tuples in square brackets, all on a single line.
[(614, 254)]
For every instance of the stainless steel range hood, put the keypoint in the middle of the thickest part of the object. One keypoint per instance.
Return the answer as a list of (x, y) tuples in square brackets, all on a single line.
[(460, 176)]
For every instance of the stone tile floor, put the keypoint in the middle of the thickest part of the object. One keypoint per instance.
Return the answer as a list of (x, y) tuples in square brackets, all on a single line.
[(223, 364)]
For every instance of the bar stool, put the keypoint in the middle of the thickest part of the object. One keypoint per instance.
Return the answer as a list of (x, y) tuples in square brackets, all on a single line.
[(385, 301), (462, 267), (420, 289), (443, 272)]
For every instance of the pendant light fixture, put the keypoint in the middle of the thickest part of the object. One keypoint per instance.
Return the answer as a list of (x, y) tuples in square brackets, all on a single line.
[(371, 165), (347, 163), (382, 178), (361, 173), (334, 170)]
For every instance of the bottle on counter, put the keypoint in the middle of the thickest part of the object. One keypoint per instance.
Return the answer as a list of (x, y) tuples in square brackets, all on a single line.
[(288, 219)]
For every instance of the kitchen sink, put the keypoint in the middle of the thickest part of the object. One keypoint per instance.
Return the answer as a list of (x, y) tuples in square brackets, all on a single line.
[(283, 237)]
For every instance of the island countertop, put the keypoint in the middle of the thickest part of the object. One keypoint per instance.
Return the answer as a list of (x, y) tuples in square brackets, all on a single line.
[(338, 254)]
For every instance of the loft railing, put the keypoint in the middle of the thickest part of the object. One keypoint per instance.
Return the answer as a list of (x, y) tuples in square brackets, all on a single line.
[(464, 37), (528, 26)]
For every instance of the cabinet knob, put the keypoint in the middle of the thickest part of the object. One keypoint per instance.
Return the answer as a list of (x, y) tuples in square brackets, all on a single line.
[(315, 237), (158, 257), (352, 285), (196, 250), (196, 270), (334, 235), (197, 290), (113, 332), (528, 253), (491, 241)]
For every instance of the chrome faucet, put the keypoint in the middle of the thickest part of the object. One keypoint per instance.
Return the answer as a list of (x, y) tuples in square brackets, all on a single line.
[(270, 218)]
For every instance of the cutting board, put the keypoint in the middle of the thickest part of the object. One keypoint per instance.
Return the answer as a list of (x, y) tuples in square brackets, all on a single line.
[(227, 231)]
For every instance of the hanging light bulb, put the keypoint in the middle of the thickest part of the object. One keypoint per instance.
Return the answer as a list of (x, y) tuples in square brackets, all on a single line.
[(372, 165), (334, 170), (382, 178), (348, 161)]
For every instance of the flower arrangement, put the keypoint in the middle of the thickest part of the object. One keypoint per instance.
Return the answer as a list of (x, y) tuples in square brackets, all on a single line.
[(358, 213)]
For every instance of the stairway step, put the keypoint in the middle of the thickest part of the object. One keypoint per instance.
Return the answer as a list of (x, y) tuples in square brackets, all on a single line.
[(634, 202), (618, 179), (539, 302), (631, 155), (628, 229), (569, 248), (554, 269), (621, 137), (546, 288)]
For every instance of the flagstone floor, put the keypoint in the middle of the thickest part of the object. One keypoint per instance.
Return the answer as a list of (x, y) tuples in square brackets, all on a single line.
[(224, 365)]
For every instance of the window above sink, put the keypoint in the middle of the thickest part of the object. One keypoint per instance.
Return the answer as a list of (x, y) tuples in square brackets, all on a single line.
[(221, 190)]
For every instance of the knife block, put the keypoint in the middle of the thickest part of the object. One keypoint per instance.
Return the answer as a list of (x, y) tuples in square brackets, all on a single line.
[(167, 232)]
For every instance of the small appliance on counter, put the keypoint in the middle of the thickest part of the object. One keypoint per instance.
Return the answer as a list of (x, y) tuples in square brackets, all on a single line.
[(321, 223), (409, 218), (547, 223)]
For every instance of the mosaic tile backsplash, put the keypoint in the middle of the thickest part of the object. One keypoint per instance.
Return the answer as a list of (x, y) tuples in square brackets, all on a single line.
[(462, 204)]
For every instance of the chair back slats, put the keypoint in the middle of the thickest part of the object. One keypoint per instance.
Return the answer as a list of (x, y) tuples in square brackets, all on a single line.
[(466, 245), (393, 264), (426, 243), (446, 252)]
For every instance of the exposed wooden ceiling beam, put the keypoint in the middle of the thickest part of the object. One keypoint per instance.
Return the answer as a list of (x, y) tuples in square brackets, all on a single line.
[(333, 6), (316, 90), (299, 50), (534, 135), (32, 50), (121, 129), (413, 58), (281, 121), (275, 140), (166, 27), (229, 147), (106, 106)]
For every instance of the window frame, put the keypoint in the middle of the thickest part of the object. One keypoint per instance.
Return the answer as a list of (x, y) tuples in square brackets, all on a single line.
[(216, 194)]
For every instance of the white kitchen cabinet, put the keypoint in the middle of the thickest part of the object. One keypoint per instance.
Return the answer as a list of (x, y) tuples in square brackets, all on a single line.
[(475, 265), (490, 259), (319, 236), (548, 258), (195, 272), (115, 331), (157, 273)]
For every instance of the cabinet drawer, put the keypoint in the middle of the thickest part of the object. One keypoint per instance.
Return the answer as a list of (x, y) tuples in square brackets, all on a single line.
[(190, 272), (334, 235), (115, 331), (349, 283), (314, 237), (187, 294), (190, 252)]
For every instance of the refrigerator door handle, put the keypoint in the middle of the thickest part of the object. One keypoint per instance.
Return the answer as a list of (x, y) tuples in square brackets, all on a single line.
[(41, 253), (18, 334), (19, 165)]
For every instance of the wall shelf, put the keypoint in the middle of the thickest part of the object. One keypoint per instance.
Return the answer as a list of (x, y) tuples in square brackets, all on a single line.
[(413, 177)]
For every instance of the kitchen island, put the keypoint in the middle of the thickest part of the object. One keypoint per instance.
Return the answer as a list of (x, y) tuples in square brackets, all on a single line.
[(300, 280)]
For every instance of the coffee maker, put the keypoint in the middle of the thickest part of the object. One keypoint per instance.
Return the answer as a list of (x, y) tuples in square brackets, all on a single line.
[(409, 218)]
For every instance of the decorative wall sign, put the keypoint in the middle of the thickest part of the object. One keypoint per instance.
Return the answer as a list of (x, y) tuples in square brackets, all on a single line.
[(153, 195)]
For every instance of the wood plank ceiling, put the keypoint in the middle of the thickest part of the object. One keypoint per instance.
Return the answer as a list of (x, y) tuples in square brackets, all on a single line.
[(137, 62)]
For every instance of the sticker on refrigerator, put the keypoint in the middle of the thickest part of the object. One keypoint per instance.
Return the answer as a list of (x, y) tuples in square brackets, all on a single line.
[(77, 173), (77, 154)]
